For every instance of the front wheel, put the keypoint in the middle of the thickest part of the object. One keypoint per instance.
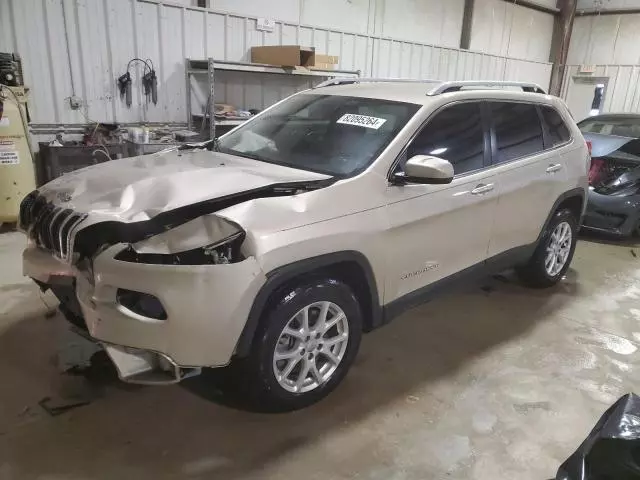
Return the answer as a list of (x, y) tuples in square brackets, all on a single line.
[(553, 254), (305, 345)]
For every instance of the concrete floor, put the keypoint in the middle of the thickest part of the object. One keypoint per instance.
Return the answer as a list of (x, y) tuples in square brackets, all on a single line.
[(494, 383)]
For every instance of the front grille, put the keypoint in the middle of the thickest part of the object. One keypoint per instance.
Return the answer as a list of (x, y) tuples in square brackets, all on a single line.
[(46, 224)]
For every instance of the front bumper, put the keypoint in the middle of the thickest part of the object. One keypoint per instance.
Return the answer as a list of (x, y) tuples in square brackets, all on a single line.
[(611, 214), (207, 307)]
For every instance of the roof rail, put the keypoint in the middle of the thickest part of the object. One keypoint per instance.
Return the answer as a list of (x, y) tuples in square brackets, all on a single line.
[(347, 80), (456, 86)]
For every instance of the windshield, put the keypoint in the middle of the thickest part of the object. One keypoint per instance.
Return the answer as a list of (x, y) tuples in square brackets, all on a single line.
[(621, 126), (330, 134)]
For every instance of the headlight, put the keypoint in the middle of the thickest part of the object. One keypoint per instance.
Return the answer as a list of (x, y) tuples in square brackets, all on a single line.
[(172, 247)]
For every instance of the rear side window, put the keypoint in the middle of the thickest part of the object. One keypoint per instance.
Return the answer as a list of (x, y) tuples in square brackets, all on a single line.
[(518, 130), (558, 131), (454, 134)]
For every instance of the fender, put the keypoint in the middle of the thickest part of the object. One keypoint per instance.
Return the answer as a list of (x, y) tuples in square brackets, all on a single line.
[(278, 277)]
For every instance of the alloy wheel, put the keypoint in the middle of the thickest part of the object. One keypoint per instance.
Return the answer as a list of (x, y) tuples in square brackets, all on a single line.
[(311, 347), (558, 249)]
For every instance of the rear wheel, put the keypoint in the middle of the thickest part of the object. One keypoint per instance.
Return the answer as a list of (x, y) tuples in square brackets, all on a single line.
[(553, 254), (304, 346)]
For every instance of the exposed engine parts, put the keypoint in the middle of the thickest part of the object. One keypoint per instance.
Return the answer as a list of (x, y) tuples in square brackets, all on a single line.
[(224, 252)]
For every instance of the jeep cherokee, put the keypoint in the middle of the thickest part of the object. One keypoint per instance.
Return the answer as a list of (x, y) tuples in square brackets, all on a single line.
[(319, 219)]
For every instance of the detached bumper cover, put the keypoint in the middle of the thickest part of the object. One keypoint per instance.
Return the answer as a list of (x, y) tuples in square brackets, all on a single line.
[(207, 305), (617, 215)]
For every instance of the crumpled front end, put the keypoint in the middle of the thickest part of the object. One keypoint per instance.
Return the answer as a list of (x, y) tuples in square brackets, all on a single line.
[(161, 307), (145, 258)]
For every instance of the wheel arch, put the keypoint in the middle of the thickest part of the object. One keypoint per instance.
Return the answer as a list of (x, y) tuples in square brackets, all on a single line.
[(350, 266), (574, 200)]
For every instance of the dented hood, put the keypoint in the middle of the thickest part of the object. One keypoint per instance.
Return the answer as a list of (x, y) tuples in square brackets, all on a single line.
[(139, 188)]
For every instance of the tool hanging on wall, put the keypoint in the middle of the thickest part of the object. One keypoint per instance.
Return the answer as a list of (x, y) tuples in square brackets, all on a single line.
[(149, 82)]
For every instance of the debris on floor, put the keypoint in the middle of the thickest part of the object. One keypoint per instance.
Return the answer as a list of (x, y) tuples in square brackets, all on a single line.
[(58, 406), (81, 384), (487, 289), (74, 351)]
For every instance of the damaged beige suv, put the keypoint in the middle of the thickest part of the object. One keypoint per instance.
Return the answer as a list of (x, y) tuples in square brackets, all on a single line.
[(277, 246)]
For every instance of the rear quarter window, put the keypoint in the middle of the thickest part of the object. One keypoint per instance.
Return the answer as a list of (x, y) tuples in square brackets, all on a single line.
[(556, 128)]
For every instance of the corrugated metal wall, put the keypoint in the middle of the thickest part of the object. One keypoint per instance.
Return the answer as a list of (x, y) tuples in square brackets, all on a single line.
[(622, 93), (104, 35), (507, 29)]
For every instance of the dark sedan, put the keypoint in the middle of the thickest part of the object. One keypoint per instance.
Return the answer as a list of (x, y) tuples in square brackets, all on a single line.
[(614, 176)]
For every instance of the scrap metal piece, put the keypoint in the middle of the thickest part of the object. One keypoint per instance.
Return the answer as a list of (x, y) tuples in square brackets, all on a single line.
[(58, 406)]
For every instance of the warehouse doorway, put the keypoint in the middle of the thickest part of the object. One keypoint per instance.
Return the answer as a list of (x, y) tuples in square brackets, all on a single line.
[(585, 96)]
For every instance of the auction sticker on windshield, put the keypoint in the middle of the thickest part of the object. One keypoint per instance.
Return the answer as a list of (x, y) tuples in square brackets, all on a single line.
[(362, 120)]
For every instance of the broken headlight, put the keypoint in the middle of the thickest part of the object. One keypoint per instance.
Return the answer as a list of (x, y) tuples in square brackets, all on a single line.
[(222, 252), (220, 239)]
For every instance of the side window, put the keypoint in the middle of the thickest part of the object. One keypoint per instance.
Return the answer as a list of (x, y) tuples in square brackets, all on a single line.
[(454, 134), (518, 130), (558, 131)]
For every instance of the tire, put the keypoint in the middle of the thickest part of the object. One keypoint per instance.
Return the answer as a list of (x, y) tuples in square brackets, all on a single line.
[(284, 394), (536, 273)]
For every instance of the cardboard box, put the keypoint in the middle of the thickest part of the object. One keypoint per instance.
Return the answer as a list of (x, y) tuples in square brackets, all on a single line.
[(284, 55), (326, 59), (324, 66), (325, 62)]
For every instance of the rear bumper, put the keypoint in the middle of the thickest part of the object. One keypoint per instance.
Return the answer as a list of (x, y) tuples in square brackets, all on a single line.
[(206, 305), (614, 215)]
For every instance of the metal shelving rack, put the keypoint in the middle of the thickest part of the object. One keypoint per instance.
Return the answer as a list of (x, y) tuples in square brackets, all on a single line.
[(210, 66)]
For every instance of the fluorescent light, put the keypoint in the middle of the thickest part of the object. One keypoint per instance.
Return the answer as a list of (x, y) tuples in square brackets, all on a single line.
[(438, 151)]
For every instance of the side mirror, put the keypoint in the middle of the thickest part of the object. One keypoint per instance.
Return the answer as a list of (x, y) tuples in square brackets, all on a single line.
[(425, 169)]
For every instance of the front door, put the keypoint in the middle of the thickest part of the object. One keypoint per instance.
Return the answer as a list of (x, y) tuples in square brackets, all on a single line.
[(438, 230)]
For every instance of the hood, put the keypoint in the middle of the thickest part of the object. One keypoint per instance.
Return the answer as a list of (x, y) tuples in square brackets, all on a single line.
[(140, 188)]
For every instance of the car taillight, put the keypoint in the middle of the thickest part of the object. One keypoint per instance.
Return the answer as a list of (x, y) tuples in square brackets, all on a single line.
[(596, 171), (590, 168)]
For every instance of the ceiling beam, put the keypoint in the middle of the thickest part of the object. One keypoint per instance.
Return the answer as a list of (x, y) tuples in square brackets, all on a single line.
[(535, 6), (616, 11)]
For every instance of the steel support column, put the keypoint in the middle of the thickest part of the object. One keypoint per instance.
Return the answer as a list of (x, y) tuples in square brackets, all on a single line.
[(467, 21), (562, 27)]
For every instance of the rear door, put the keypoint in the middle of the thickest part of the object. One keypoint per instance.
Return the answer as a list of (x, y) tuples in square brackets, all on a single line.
[(528, 173)]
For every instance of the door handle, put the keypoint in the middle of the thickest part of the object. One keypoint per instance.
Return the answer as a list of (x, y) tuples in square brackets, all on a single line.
[(482, 188), (554, 167)]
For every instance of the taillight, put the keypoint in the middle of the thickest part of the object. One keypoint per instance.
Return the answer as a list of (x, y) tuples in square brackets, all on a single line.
[(596, 171), (589, 161)]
